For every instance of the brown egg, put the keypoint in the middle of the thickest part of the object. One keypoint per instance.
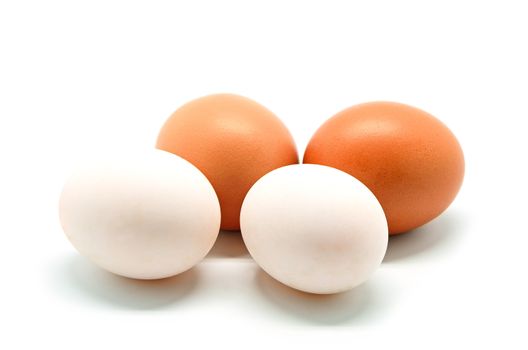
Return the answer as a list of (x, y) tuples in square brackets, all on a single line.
[(409, 159), (234, 141)]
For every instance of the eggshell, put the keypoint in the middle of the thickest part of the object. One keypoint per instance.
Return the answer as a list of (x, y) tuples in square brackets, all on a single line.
[(144, 216), (233, 141), (314, 228), (409, 159)]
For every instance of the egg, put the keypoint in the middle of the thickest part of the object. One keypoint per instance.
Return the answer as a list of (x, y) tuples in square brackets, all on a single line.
[(314, 228), (233, 140), (145, 216), (409, 159)]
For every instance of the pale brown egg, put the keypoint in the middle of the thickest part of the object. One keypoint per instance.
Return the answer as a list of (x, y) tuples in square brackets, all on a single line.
[(234, 141)]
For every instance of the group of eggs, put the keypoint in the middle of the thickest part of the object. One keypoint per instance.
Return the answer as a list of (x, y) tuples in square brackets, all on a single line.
[(226, 162)]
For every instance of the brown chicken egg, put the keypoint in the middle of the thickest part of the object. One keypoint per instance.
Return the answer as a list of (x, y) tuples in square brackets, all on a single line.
[(410, 160), (234, 141)]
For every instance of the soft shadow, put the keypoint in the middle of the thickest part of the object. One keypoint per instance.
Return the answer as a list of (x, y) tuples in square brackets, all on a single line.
[(82, 277), (229, 244), (437, 235), (332, 309)]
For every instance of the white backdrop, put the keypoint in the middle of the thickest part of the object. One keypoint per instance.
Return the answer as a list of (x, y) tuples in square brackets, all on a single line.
[(77, 78)]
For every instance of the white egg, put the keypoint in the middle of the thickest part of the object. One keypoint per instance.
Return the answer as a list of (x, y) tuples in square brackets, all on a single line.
[(314, 228), (146, 216)]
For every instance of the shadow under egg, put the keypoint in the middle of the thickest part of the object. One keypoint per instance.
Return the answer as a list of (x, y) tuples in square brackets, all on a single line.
[(438, 235), (80, 276), (325, 309), (229, 244)]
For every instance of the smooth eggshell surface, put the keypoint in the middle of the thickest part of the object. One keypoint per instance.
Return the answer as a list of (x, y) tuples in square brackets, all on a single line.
[(409, 159), (147, 217), (233, 140), (314, 228)]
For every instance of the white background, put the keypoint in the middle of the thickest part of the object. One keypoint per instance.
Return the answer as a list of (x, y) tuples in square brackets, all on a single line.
[(81, 77)]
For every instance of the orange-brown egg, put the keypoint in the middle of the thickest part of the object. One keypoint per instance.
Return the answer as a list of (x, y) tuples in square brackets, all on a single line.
[(409, 159), (234, 141)]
